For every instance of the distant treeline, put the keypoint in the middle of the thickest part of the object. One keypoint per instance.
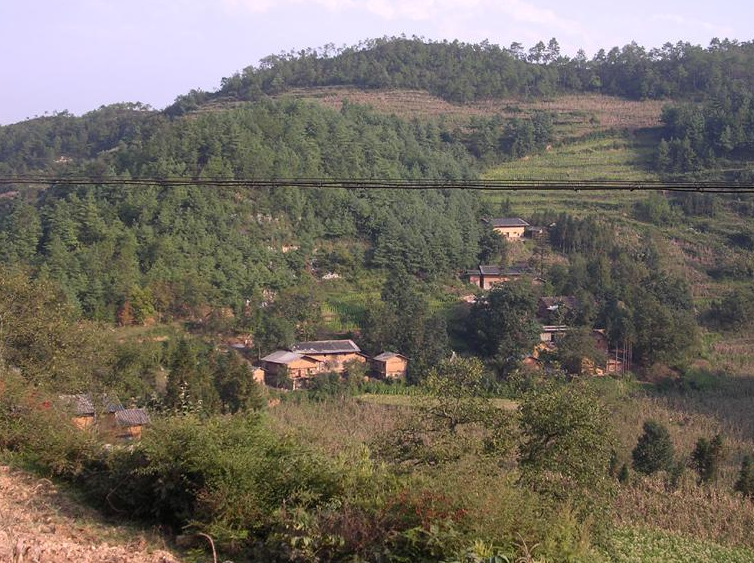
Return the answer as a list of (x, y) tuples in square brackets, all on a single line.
[(461, 72)]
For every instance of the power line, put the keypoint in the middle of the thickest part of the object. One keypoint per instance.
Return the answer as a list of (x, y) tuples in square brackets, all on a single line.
[(388, 183)]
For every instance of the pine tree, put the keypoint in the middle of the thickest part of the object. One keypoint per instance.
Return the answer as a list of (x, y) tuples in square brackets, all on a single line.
[(745, 482), (654, 449), (707, 457)]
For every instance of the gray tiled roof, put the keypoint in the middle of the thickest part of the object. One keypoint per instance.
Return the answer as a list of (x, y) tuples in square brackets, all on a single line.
[(82, 404), (489, 270), (326, 347), (508, 222), (132, 417), (282, 357), (387, 355)]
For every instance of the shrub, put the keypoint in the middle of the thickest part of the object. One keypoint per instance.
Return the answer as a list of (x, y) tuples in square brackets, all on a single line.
[(734, 310), (42, 434)]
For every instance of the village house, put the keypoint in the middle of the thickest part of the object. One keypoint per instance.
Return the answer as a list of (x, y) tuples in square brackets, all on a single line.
[(552, 334), (333, 354), (615, 359), (83, 411), (128, 423), (390, 365), (512, 228), (298, 367), (105, 414), (485, 277)]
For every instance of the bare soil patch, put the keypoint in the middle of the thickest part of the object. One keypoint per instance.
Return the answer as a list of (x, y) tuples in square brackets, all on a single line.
[(39, 524)]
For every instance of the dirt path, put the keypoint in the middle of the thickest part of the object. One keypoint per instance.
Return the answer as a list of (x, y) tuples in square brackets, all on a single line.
[(40, 525)]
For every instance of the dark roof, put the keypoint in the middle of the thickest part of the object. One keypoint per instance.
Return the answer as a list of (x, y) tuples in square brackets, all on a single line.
[(326, 347), (508, 222), (132, 417), (489, 270), (83, 405), (385, 356)]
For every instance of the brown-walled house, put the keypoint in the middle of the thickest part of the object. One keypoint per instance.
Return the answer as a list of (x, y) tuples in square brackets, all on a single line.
[(509, 227), (334, 354), (390, 365), (128, 423), (485, 277), (551, 334), (300, 367)]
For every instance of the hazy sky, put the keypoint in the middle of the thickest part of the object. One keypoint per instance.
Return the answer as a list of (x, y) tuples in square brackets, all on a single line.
[(80, 54)]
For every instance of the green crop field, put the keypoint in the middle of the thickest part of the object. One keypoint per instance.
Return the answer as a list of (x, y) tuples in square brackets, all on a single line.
[(630, 545), (613, 157)]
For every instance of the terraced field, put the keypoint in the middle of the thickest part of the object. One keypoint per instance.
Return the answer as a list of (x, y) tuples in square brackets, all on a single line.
[(576, 114)]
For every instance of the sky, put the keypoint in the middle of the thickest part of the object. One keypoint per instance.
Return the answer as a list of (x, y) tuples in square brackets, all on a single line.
[(77, 55)]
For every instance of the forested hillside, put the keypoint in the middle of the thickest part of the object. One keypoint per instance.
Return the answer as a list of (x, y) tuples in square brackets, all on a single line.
[(461, 72)]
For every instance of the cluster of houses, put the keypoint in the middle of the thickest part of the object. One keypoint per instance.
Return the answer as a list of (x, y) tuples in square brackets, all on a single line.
[(554, 311), (105, 414), (304, 360), (510, 228)]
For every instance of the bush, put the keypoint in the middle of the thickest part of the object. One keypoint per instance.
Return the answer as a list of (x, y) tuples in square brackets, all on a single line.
[(734, 310), (42, 435), (225, 475)]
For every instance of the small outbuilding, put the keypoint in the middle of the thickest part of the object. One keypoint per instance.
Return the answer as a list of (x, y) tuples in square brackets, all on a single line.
[(85, 409), (485, 276)]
